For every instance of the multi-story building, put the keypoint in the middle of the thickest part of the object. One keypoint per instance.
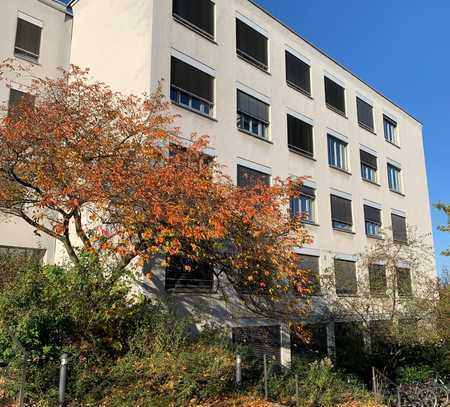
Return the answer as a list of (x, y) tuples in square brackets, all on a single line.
[(36, 33), (272, 104)]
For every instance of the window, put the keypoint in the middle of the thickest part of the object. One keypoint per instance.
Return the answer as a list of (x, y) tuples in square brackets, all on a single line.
[(247, 177), (28, 40), (381, 336), (341, 213), (316, 343), (394, 178), (365, 114), (298, 74), (349, 343), (263, 340), (368, 166), (372, 218), (390, 130), (183, 274), (345, 274), (252, 115), (197, 13), (310, 264), (191, 87), (300, 136), (377, 280), (337, 153), (399, 228), (304, 204), (251, 45), (16, 96), (404, 284), (334, 96)]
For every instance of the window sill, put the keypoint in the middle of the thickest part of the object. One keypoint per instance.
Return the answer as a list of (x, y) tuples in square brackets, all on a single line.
[(194, 111), (374, 237), (193, 28), (255, 136), (393, 144), (30, 60), (309, 223), (255, 65), (371, 182), (340, 169), (300, 90), (337, 111), (397, 192), (349, 232), (367, 129), (301, 154)]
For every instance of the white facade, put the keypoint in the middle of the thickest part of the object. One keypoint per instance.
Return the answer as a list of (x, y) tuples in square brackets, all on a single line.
[(56, 29), (129, 44)]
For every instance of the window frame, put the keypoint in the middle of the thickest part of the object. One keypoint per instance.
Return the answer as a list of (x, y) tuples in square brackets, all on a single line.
[(263, 66), (333, 153), (340, 224), (242, 115), (327, 96), (296, 205), (387, 121), (342, 291), (394, 233), (361, 102), (306, 92), (195, 28), (400, 286), (374, 286), (22, 53), (294, 148), (264, 175), (392, 169)]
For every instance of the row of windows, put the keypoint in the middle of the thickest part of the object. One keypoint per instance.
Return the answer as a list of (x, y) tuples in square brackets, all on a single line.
[(201, 277), (252, 46), (341, 208)]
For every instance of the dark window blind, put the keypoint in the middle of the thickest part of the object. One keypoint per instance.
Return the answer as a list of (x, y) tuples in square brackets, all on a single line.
[(399, 228), (28, 38), (341, 210), (368, 159), (200, 276), (404, 284), (192, 80), (298, 73), (311, 265), (252, 107), (365, 113), (372, 214), (377, 279), (316, 343), (15, 97), (334, 95), (307, 191), (247, 177), (199, 13), (300, 135), (345, 274), (251, 44), (262, 340)]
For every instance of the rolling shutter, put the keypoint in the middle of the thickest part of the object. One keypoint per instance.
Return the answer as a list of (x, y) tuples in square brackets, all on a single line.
[(263, 340), (300, 135), (399, 228), (365, 113), (199, 13), (192, 80), (28, 38), (334, 95), (368, 159), (252, 107), (177, 277), (372, 214), (250, 43), (345, 274), (377, 279), (298, 73), (341, 210), (248, 177)]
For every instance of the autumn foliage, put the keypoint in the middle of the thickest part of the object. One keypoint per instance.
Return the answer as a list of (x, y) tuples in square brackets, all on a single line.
[(103, 172)]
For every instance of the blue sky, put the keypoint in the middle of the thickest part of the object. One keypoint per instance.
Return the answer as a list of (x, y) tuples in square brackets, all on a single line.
[(411, 40)]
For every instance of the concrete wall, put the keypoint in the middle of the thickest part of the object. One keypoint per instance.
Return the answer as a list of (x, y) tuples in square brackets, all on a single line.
[(54, 53)]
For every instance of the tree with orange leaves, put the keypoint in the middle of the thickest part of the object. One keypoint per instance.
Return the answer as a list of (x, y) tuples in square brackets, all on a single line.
[(103, 172)]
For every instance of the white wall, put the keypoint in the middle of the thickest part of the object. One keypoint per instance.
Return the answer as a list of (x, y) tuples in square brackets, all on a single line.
[(54, 53)]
